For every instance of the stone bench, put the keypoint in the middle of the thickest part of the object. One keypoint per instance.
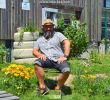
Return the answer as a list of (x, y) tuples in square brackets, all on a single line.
[(7, 96)]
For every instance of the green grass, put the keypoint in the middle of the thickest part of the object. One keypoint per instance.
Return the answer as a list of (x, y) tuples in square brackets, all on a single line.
[(31, 95), (101, 68)]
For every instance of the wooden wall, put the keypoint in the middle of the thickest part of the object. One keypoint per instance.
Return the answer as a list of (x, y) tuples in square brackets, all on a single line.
[(13, 16), (92, 15)]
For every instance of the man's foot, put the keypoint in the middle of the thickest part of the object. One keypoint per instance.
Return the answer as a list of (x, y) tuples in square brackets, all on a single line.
[(57, 88), (42, 92)]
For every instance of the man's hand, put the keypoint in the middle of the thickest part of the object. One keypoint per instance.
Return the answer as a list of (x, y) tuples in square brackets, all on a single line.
[(37, 54), (42, 57), (61, 59)]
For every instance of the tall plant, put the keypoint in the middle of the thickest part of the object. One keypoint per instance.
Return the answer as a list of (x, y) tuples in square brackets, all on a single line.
[(60, 23), (3, 52), (30, 27), (77, 35)]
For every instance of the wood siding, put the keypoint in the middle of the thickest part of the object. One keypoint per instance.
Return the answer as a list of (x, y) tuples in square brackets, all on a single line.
[(92, 15), (72, 3), (14, 17)]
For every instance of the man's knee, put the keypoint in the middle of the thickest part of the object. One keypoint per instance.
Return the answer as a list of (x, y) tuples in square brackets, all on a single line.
[(66, 70), (66, 73)]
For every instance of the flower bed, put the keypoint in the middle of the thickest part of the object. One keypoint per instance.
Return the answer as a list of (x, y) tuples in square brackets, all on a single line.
[(18, 78)]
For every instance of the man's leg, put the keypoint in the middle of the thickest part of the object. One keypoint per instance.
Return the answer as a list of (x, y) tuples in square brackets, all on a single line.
[(65, 71), (61, 80), (39, 71)]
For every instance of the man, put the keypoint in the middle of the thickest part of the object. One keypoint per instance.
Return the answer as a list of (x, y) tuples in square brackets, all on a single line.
[(49, 52)]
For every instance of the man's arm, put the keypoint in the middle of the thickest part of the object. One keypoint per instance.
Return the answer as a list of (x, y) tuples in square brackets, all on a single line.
[(37, 54), (66, 45)]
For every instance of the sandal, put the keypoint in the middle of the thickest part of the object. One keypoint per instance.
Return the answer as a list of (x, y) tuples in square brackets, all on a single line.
[(41, 91)]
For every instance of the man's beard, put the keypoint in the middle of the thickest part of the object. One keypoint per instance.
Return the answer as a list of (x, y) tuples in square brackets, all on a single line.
[(48, 35)]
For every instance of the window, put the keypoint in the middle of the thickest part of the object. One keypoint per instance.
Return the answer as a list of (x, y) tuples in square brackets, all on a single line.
[(49, 13), (107, 3)]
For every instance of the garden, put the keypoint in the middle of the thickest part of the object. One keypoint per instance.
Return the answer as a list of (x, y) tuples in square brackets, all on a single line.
[(91, 81), (91, 77)]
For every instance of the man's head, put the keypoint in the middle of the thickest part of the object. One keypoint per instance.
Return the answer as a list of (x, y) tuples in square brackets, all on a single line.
[(48, 25), (48, 28)]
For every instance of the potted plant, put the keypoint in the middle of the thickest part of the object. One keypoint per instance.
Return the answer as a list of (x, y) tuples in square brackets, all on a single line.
[(26, 33)]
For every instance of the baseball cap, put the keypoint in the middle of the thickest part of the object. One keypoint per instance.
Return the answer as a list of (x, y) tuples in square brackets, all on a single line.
[(47, 22)]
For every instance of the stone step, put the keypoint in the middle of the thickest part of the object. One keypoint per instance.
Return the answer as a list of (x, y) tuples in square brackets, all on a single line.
[(22, 53), (24, 45), (26, 60)]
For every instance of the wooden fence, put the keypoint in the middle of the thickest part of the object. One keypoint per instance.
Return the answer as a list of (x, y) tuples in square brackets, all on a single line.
[(13, 16)]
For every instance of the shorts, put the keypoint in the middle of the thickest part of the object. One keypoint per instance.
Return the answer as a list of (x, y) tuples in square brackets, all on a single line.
[(62, 67)]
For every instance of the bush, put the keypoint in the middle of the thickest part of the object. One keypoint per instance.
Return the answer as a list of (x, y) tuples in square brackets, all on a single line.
[(3, 52), (77, 35), (60, 24), (95, 57)]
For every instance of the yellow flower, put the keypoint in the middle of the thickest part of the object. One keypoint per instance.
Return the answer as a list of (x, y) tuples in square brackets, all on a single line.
[(16, 74), (92, 76), (27, 77), (28, 69), (88, 76), (3, 70), (83, 76), (21, 74), (32, 72)]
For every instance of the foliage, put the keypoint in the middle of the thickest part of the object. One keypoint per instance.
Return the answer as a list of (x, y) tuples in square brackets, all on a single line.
[(60, 24), (77, 35), (18, 78), (95, 57), (88, 83), (3, 52), (27, 28), (84, 68)]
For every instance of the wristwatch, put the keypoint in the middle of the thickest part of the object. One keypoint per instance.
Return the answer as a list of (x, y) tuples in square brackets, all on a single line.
[(65, 56)]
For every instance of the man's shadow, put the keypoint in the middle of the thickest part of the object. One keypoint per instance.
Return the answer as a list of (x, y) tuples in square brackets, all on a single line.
[(52, 83)]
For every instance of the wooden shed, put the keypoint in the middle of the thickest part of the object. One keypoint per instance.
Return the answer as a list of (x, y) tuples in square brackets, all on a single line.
[(89, 11)]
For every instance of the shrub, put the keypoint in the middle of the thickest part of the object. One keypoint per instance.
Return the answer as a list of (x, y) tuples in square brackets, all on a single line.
[(60, 24), (3, 52), (77, 35), (95, 57)]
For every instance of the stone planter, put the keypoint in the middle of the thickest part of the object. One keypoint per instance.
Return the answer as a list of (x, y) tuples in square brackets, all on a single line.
[(27, 36), (22, 52)]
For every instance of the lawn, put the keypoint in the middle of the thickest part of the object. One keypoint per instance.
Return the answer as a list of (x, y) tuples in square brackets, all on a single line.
[(86, 84)]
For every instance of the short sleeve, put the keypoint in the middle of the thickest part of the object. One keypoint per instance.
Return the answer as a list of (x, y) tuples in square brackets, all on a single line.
[(61, 37), (36, 44)]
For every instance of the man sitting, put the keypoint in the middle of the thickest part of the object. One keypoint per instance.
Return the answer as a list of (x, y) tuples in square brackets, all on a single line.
[(49, 52)]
